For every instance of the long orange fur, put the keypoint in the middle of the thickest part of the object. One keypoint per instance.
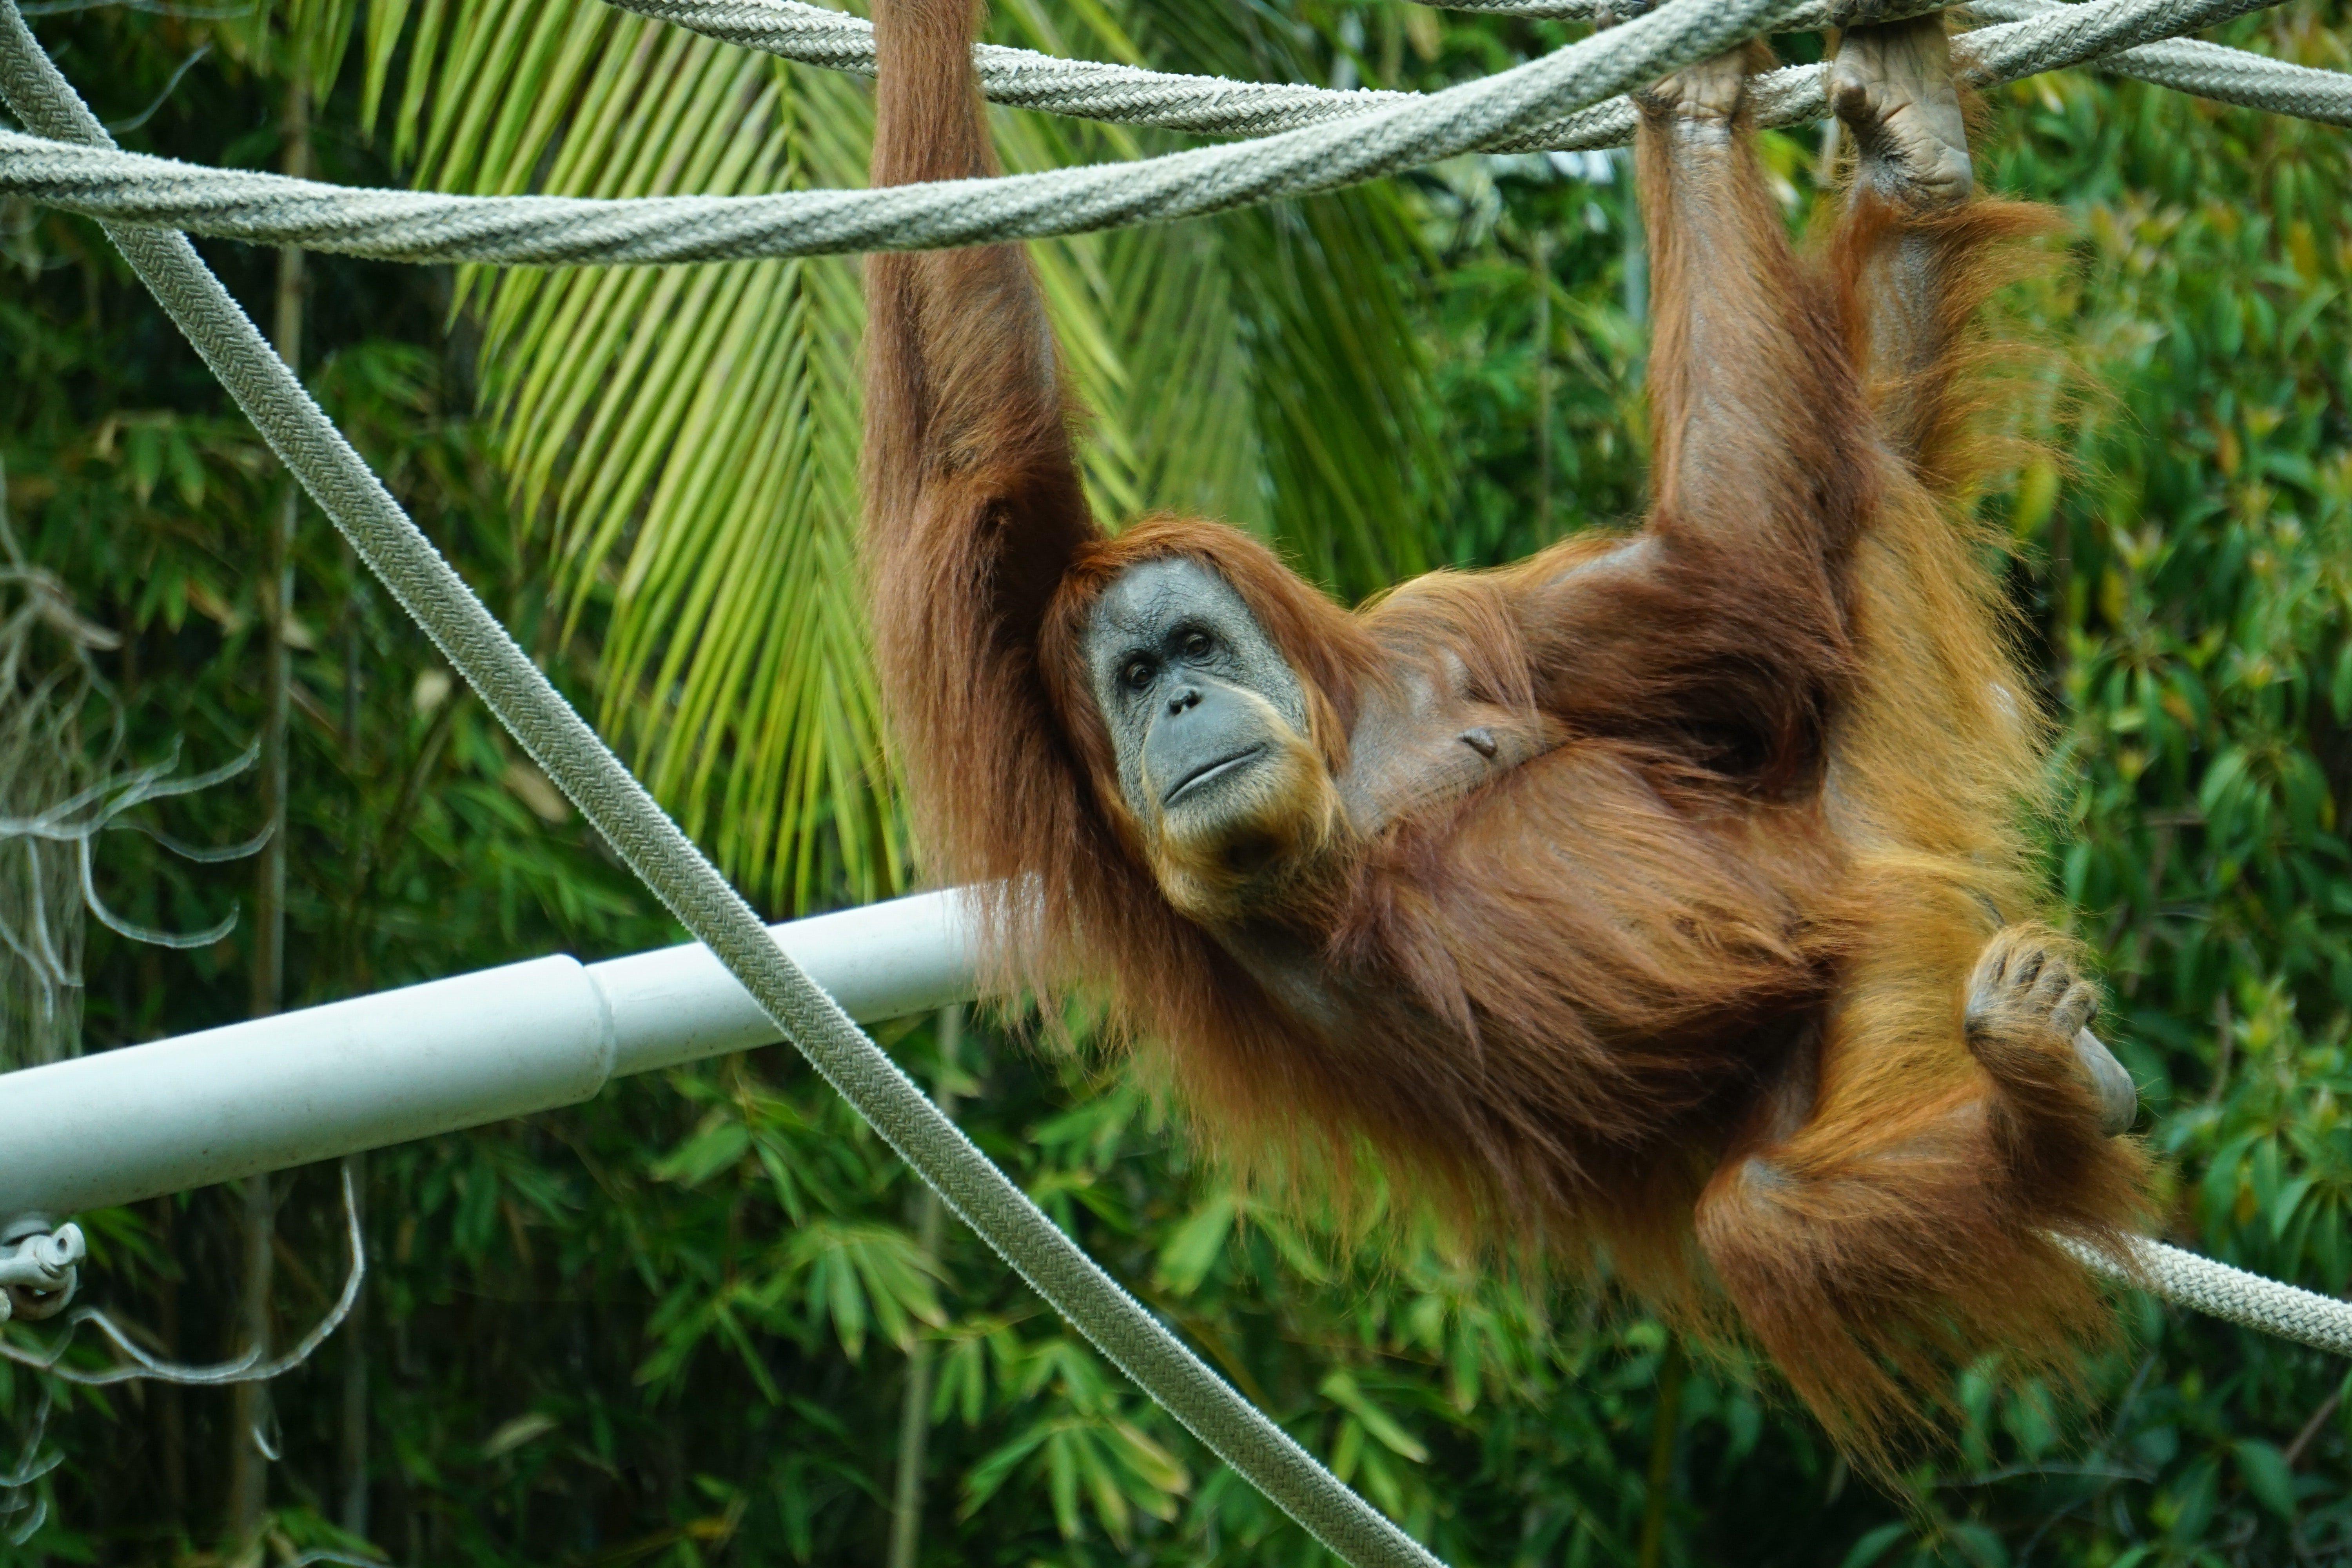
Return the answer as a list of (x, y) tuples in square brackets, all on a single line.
[(1685, 990)]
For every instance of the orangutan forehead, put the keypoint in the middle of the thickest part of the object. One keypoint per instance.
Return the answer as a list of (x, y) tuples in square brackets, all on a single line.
[(1143, 600)]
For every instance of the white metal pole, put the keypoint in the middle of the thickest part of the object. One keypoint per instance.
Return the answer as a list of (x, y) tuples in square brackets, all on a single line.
[(131, 1123)]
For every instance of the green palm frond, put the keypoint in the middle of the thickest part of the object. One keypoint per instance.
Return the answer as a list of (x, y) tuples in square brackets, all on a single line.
[(321, 32), (685, 439)]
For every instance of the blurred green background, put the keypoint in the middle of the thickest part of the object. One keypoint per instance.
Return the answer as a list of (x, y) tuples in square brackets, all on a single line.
[(677, 1325)]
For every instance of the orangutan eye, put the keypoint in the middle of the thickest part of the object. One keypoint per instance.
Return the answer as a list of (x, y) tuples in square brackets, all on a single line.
[(1195, 645), (1137, 674)]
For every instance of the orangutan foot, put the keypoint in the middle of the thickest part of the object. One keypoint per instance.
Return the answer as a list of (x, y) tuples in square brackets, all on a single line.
[(2026, 988), (1893, 88)]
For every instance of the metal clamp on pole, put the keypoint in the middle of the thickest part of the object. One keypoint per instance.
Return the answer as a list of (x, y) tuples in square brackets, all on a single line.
[(37, 1272)]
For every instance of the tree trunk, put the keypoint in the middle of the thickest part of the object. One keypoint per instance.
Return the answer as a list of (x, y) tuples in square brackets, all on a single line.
[(915, 1411), (248, 1471), (354, 1511), (1665, 1427), (1540, 265)]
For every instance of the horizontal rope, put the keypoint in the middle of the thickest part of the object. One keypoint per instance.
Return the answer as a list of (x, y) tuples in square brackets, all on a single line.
[(558, 230), (1024, 78), (2220, 1290), (423, 226), (1209, 105), (2206, 70)]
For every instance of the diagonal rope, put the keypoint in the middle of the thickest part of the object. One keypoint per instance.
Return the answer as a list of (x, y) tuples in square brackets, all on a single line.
[(409, 226), (1682, 33)]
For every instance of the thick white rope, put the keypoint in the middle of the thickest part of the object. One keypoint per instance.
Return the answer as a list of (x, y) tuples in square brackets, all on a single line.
[(558, 230), (2207, 70), (668, 863), (2186, 1279), (1091, 90), (1561, 89), (1024, 78)]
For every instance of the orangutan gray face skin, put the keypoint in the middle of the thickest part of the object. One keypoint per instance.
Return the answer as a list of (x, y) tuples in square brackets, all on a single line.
[(1209, 723), (1185, 679)]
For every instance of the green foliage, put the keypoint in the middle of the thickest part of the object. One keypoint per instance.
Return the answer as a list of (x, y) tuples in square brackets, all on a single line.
[(676, 1325)]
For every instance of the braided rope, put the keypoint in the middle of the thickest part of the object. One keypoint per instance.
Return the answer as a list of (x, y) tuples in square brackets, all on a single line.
[(2220, 1290), (1091, 90), (558, 230), (1496, 113), (2205, 71), (2209, 70), (1024, 78)]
